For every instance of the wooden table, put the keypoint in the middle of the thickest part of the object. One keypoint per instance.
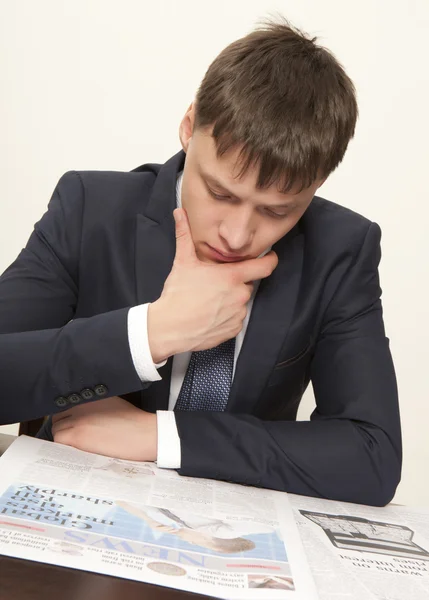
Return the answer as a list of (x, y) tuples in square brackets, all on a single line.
[(27, 580)]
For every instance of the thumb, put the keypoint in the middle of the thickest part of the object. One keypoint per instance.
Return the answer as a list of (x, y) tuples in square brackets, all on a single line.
[(185, 249)]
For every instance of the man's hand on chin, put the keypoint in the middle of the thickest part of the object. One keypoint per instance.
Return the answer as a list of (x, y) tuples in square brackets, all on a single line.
[(112, 427)]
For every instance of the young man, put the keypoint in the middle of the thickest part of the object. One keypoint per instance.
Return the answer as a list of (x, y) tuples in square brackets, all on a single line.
[(190, 340)]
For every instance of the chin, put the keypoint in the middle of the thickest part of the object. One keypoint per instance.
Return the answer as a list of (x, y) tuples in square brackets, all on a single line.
[(204, 256), (209, 261)]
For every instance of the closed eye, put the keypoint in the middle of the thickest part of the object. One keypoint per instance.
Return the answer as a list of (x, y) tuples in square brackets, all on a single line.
[(267, 211), (276, 215), (217, 196)]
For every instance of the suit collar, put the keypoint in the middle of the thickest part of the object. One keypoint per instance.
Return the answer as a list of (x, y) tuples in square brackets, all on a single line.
[(162, 200), (269, 324), (155, 235)]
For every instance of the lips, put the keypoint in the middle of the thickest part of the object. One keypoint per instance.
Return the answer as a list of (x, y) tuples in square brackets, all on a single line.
[(218, 255)]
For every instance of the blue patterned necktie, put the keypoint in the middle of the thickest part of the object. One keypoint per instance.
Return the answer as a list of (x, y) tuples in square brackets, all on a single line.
[(208, 379)]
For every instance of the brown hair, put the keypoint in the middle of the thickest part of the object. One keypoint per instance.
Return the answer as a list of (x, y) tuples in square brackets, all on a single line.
[(284, 101)]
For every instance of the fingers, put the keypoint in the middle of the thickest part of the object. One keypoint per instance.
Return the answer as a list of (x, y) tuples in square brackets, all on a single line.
[(185, 249), (61, 425), (65, 414), (250, 286), (254, 268), (95, 406)]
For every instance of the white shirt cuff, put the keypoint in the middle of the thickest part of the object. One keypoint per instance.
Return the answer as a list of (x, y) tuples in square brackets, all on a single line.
[(169, 454), (139, 344)]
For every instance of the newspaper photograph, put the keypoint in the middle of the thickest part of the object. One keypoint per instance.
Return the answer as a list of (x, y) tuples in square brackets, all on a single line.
[(358, 552), (130, 519)]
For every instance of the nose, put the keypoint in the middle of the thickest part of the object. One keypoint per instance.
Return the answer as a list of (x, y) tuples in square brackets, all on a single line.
[(236, 231)]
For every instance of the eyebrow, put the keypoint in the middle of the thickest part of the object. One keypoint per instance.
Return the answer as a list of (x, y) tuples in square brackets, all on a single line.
[(213, 181)]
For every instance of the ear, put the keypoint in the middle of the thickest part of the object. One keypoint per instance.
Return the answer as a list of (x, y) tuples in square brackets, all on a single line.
[(187, 126), (322, 181)]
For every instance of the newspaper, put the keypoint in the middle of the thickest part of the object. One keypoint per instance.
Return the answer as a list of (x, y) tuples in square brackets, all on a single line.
[(360, 552), (129, 519)]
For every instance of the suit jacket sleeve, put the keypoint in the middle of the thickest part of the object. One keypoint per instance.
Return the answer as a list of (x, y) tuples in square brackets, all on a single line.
[(351, 448), (44, 353)]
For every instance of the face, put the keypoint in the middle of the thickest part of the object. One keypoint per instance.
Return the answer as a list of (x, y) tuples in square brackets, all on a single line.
[(230, 218)]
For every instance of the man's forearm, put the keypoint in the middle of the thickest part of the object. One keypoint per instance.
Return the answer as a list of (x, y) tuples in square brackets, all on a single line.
[(333, 458), (86, 354)]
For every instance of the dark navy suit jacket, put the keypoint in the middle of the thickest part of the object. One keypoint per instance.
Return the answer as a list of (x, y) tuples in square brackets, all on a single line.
[(107, 243)]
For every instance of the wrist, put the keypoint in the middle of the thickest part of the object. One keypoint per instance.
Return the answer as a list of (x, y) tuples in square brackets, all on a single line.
[(150, 438), (159, 333)]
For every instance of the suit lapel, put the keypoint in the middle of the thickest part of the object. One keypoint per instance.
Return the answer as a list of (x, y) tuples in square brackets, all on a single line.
[(269, 323), (155, 233), (154, 255)]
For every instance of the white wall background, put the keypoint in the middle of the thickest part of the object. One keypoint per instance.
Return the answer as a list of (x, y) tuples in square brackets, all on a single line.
[(98, 84)]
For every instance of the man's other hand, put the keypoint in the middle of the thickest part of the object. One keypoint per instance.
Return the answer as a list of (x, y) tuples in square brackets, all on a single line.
[(112, 427)]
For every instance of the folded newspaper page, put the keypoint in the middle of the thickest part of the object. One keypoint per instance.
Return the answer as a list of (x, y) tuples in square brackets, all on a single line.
[(71, 508), (360, 552)]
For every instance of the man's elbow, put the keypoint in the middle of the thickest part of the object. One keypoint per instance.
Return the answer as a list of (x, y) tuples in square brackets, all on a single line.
[(380, 465), (382, 494), (381, 487)]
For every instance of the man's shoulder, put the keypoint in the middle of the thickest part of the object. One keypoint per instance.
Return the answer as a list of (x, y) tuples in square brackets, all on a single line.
[(326, 212), (146, 172), (104, 195), (328, 225), (116, 186)]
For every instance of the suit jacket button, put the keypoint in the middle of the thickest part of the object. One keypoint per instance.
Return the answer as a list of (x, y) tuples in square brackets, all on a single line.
[(87, 394), (100, 389), (74, 398), (61, 402)]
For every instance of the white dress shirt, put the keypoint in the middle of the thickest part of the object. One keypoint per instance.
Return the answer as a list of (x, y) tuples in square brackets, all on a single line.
[(169, 451)]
